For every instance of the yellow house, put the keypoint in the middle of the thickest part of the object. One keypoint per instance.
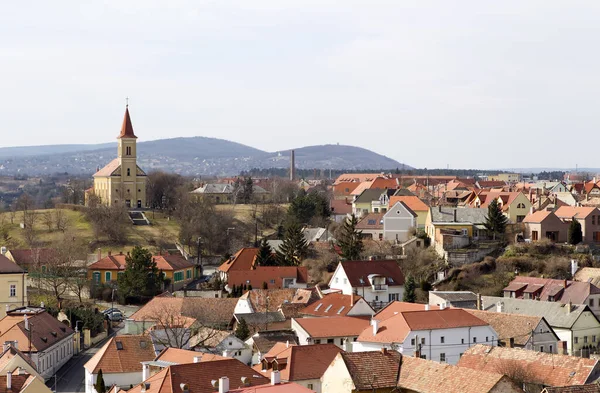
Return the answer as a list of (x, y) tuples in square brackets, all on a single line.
[(174, 268), (457, 225), (13, 286), (506, 177), (121, 180), (515, 205)]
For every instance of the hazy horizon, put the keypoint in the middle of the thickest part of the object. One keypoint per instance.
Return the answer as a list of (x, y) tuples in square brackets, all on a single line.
[(430, 84)]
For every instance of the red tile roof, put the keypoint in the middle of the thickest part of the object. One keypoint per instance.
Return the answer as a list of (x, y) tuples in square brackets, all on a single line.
[(358, 272), (333, 326), (370, 221), (164, 262), (396, 307), (244, 259), (356, 177), (182, 356), (412, 202), (539, 367), (48, 330), (209, 311), (9, 267), (127, 127), (299, 362), (109, 168), (340, 206), (576, 292), (29, 258), (272, 275), (537, 217), (19, 383), (373, 369), (122, 358), (575, 211), (285, 387), (588, 388), (332, 304)]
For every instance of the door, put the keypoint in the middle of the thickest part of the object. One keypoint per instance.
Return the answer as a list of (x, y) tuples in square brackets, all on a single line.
[(128, 203), (534, 235), (139, 204)]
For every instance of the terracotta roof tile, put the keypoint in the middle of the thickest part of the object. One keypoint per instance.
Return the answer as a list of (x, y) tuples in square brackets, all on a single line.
[(538, 216), (370, 221), (340, 206), (540, 367), (272, 275), (163, 262), (373, 369), (516, 326), (299, 362), (182, 356), (122, 354), (109, 168), (286, 387), (397, 307), (48, 330), (576, 292), (332, 304), (575, 211), (412, 202), (216, 312), (333, 326), (589, 388), (244, 259)]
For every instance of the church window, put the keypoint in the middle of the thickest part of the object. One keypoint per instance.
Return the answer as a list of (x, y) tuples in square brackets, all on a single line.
[(128, 150), (128, 172)]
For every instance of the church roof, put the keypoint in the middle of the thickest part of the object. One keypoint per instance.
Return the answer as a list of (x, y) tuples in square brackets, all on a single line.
[(109, 169), (127, 127)]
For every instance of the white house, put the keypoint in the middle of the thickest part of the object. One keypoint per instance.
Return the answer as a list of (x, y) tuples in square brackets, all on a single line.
[(336, 304), (398, 221), (225, 344), (120, 360), (340, 331), (441, 335), (378, 282)]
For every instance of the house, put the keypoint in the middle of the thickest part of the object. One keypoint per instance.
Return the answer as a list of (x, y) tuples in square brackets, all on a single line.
[(507, 177), (243, 260), (317, 235), (574, 324), (340, 209), (514, 204), (302, 364), (273, 277), (537, 369), (120, 361), (13, 286), (362, 203), (587, 216), (458, 299), (587, 274), (223, 343), (215, 192), (378, 282), (566, 198), (338, 304), (186, 313), (12, 359), (122, 180), (424, 376), (340, 331), (398, 222), (19, 381), (413, 203), (521, 331), (265, 321), (262, 342), (449, 227), (40, 336), (552, 290), (362, 372), (441, 335), (31, 259), (544, 224), (371, 226), (175, 269), (343, 190)]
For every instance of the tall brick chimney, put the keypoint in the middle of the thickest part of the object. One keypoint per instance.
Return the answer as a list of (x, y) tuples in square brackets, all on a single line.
[(292, 166)]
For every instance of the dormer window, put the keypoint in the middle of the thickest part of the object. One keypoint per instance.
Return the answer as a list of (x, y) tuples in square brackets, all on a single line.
[(318, 307), (341, 309), (328, 308)]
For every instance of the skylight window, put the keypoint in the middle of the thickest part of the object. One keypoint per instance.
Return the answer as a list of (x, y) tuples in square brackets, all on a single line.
[(361, 280), (372, 222), (390, 279), (341, 309), (119, 345), (328, 308), (318, 307)]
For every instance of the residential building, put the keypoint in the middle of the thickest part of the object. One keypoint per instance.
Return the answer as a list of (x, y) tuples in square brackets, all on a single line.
[(262, 342), (552, 290), (587, 216), (223, 343), (317, 235), (19, 381), (12, 359), (31, 259), (521, 331), (340, 331), (371, 226), (398, 222), (120, 361), (13, 286), (538, 369), (440, 335), (378, 282), (273, 277), (544, 224), (362, 372), (340, 209), (40, 336), (514, 204), (363, 201), (175, 269), (122, 180), (574, 324), (338, 304), (415, 204), (302, 364), (454, 227), (381, 204), (506, 177), (243, 260), (215, 192), (457, 299)]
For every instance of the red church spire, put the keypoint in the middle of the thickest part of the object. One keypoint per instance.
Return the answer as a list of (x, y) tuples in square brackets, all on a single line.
[(127, 128)]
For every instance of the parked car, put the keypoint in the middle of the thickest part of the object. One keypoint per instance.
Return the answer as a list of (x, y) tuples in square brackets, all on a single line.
[(115, 316), (109, 311)]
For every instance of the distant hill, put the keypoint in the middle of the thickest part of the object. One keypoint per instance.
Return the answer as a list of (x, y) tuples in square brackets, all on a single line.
[(195, 156)]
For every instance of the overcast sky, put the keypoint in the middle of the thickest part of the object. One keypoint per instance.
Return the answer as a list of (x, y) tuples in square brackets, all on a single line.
[(484, 84)]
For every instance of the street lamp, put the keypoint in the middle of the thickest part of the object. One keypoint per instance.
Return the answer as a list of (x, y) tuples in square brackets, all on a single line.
[(200, 255)]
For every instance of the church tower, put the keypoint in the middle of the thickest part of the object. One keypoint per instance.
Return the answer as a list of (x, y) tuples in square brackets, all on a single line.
[(121, 180)]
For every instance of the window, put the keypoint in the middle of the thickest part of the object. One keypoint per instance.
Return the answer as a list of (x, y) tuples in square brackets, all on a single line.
[(107, 276), (460, 355), (486, 339), (412, 342), (593, 220), (341, 309), (128, 150), (337, 280), (13, 290), (309, 386), (585, 339), (272, 281), (475, 340), (96, 277), (330, 341), (462, 340), (318, 307), (375, 210), (345, 281), (422, 341), (551, 349), (423, 356), (230, 343), (442, 339), (188, 273), (541, 348), (442, 357), (393, 296), (593, 339), (317, 341), (591, 302), (328, 308), (576, 340), (178, 276), (128, 173)]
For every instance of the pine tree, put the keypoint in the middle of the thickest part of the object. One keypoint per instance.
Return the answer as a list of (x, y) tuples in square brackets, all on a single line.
[(495, 221), (409, 290), (242, 331), (141, 276), (264, 256), (575, 234), (99, 385), (350, 240), (294, 247)]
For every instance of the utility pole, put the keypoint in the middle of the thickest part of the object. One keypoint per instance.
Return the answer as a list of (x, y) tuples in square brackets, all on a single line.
[(200, 256)]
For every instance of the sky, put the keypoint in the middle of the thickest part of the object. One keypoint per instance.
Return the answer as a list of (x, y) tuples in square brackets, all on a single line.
[(469, 84)]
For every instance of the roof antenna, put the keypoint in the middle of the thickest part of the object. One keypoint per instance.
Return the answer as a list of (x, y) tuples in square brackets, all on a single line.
[(126, 102)]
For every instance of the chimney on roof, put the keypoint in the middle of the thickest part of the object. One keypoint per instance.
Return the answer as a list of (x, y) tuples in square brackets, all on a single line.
[(574, 267), (511, 342), (479, 302), (440, 208), (275, 378), (455, 215), (565, 283), (26, 322), (384, 350), (145, 371), (7, 308), (427, 307), (351, 299), (99, 253), (197, 359), (223, 385), (120, 252), (500, 307), (109, 253), (442, 305), (8, 380), (42, 305), (287, 343), (184, 387), (569, 307), (375, 324)]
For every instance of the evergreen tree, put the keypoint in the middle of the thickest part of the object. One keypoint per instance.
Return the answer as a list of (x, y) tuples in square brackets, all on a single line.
[(99, 385), (248, 190), (575, 234), (409, 290), (264, 256), (242, 331), (294, 247), (350, 240), (495, 221), (141, 276)]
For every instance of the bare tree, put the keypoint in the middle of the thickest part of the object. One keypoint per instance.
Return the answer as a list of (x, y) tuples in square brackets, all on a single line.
[(61, 220), (79, 284), (111, 221), (48, 219), (519, 374), (13, 213), (29, 232)]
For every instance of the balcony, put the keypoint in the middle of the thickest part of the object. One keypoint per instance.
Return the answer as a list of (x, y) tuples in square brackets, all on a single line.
[(379, 287)]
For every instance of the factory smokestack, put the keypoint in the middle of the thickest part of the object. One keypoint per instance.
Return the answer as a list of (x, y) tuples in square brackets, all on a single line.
[(292, 166)]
